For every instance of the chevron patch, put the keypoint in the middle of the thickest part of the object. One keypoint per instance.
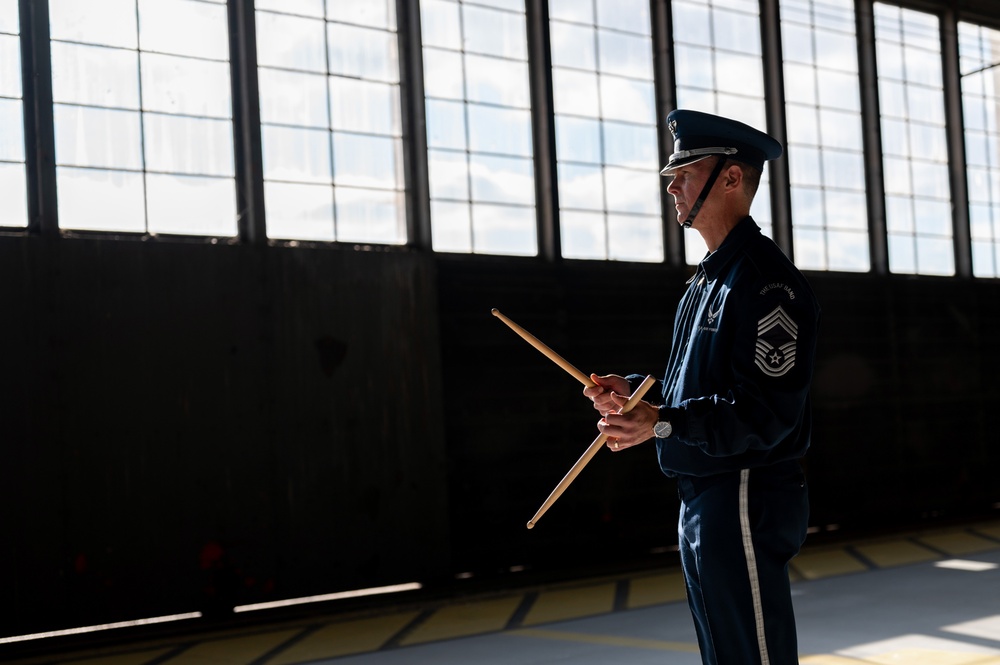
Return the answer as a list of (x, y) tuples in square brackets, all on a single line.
[(777, 334)]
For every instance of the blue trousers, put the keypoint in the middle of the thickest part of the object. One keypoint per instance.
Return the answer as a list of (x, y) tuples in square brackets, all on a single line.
[(737, 532)]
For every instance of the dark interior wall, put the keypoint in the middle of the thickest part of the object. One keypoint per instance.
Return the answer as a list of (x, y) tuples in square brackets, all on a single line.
[(193, 426), (196, 426)]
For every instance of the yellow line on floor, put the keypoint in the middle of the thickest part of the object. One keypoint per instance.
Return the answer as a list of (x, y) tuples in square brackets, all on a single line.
[(827, 659), (571, 603), (242, 649), (463, 619), (609, 640), (135, 658), (896, 553), (992, 530), (655, 590), (826, 563), (932, 657), (343, 638), (959, 542)]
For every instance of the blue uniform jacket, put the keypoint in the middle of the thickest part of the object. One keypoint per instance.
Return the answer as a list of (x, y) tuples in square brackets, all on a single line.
[(736, 389)]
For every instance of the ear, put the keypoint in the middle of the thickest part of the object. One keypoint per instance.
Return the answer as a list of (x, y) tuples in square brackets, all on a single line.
[(733, 178)]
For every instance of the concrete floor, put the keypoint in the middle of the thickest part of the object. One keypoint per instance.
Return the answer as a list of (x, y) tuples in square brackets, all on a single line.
[(928, 598)]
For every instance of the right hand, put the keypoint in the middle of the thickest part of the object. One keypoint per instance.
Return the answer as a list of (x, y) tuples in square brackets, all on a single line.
[(601, 393)]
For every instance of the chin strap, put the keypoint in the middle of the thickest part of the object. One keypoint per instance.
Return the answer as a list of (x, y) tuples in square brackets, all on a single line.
[(713, 176)]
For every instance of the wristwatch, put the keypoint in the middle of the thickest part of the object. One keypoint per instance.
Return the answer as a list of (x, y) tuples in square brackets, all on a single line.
[(662, 429)]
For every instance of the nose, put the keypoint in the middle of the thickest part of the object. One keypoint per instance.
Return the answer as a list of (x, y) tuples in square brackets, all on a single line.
[(672, 186)]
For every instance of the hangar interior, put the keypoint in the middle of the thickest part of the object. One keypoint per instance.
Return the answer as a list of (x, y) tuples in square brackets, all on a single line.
[(249, 252)]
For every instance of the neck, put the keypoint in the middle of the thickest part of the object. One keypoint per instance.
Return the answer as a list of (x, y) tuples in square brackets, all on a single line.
[(716, 230)]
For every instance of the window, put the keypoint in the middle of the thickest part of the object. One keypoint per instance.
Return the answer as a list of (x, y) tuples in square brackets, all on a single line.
[(825, 153), (914, 142), (143, 116), (479, 139), (979, 53), (330, 120), (606, 142), (719, 70), (13, 186)]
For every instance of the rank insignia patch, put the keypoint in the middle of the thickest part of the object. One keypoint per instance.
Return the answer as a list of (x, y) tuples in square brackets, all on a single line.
[(776, 337)]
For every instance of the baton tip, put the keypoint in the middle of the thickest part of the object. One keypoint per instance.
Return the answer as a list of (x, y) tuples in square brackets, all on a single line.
[(494, 311), (531, 525)]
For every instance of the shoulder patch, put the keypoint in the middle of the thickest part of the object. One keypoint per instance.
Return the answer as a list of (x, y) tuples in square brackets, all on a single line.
[(777, 335)]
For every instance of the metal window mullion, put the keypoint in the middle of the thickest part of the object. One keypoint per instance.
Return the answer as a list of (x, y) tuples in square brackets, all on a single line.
[(39, 131), (247, 152), (665, 86), (872, 137), (414, 125), (955, 128), (543, 130), (774, 108)]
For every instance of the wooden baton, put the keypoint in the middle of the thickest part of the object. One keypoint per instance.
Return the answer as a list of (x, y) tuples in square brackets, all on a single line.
[(549, 353), (646, 384)]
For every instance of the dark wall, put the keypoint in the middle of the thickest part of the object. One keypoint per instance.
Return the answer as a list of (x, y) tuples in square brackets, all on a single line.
[(195, 426)]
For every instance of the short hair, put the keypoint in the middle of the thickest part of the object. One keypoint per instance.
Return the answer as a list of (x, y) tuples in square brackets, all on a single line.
[(751, 177)]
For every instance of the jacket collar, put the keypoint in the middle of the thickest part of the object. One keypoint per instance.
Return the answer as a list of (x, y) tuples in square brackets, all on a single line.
[(714, 263)]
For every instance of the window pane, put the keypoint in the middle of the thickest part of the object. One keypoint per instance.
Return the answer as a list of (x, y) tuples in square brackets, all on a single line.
[(369, 216), (979, 50), (13, 188), (478, 124), (303, 212), (918, 212), (190, 205), (290, 42), (363, 53), (366, 161), (11, 131), (184, 27), (331, 131), (185, 86), (97, 137), (13, 177), (500, 131), (293, 98), (95, 76), (141, 165), (99, 200), (297, 155), (501, 229), (104, 22), (583, 235), (193, 146)]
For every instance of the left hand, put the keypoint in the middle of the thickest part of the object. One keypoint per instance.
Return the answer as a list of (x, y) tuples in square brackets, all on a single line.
[(628, 429)]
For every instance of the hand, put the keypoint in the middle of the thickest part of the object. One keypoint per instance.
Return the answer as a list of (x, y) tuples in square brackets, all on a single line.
[(601, 393), (625, 430)]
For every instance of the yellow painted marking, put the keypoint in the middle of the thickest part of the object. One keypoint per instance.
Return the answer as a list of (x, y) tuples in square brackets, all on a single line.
[(656, 590), (138, 658), (347, 637), (464, 619), (233, 649), (826, 659), (896, 553), (608, 640), (991, 530), (932, 657), (959, 542), (817, 565), (571, 604)]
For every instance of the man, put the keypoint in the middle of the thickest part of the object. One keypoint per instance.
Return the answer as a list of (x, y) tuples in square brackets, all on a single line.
[(733, 419)]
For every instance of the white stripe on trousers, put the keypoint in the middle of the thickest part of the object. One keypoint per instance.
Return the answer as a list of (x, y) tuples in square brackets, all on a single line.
[(758, 610)]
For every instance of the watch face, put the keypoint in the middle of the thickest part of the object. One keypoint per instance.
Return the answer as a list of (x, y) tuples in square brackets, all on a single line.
[(662, 429)]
